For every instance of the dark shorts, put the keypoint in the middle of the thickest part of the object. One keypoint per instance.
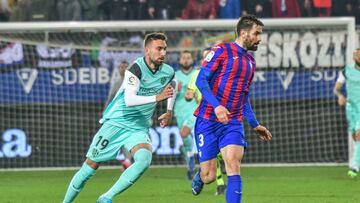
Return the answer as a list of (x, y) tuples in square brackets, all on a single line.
[(211, 136)]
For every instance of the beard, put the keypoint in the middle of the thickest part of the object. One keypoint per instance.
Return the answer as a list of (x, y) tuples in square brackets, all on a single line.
[(157, 62), (186, 67), (250, 45)]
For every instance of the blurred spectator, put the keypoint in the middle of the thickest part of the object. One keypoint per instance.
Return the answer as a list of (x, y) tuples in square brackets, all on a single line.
[(260, 8), (230, 9), (68, 10), (141, 10), (306, 8), (200, 9), (356, 8), (285, 8), (342, 8), (4, 10), (35, 10), (118, 9), (89, 10), (322, 7), (165, 9)]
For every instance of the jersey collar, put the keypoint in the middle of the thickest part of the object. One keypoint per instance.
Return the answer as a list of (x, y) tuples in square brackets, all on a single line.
[(151, 71)]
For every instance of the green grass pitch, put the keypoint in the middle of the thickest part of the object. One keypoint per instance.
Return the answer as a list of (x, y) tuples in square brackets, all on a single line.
[(168, 185)]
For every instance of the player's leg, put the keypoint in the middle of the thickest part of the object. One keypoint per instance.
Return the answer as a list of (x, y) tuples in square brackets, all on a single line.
[(355, 170), (352, 117), (77, 183), (220, 189), (185, 133), (140, 148), (185, 127), (232, 146), (99, 151), (205, 175), (125, 158), (232, 155), (207, 145)]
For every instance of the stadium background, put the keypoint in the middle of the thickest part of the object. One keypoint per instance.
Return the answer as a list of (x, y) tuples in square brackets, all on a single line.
[(54, 84)]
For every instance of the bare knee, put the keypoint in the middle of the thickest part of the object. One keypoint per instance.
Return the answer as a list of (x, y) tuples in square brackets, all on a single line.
[(94, 165), (208, 172), (184, 132), (232, 167), (207, 177)]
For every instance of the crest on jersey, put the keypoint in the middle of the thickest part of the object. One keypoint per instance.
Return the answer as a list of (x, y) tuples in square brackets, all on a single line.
[(163, 80), (131, 80), (209, 56)]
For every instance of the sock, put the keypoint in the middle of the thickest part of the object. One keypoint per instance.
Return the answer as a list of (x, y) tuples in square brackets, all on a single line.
[(234, 189), (188, 143), (78, 182), (357, 156), (142, 160), (219, 179), (187, 152)]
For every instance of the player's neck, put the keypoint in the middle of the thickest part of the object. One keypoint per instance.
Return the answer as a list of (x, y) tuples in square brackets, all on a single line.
[(152, 66), (240, 43), (186, 71), (357, 66)]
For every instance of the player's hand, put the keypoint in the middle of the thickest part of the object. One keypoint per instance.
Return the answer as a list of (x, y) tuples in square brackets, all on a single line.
[(189, 95), (356, 136), (165, 119), (341, 100), (264, 133), (167, 92), (179, 86), (222, 114)]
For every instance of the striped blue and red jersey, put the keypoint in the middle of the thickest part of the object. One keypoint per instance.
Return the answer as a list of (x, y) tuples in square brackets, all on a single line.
[(226, 72)]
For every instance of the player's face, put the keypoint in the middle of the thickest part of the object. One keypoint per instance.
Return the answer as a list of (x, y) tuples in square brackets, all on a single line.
[(156, 51), (186, 60), (252, 37), (357, 57)]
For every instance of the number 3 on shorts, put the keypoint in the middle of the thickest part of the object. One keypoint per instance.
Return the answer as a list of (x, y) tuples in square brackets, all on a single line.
[(201, 140)]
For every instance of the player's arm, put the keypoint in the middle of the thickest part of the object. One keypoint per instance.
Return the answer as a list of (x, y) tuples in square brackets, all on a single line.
[(209, 66), (165, 118), (190, 92), (132, 86), (337, 89), (250, 117)]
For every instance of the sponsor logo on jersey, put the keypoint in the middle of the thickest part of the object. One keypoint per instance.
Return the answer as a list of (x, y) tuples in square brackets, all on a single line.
[(209, 56), (131, 80)]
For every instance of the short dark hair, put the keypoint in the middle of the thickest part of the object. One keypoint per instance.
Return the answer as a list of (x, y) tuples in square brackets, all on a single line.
[(246, 23), (154, 36), (186, 52)]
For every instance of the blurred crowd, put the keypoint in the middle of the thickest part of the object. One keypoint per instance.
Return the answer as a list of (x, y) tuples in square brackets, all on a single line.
[(89, 10)]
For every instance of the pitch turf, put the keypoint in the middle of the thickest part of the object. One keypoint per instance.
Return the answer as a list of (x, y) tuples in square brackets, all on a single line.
[(168, 185)]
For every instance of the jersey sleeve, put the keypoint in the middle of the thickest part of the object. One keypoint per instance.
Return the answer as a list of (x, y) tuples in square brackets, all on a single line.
[(131, 88), (249, 115), (341, 78), (192, 85), (209, 66)]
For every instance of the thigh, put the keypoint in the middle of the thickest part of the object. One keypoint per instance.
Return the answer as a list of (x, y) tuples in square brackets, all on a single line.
[(135, 138), (106, 143), (232, 155), (206, 139)]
